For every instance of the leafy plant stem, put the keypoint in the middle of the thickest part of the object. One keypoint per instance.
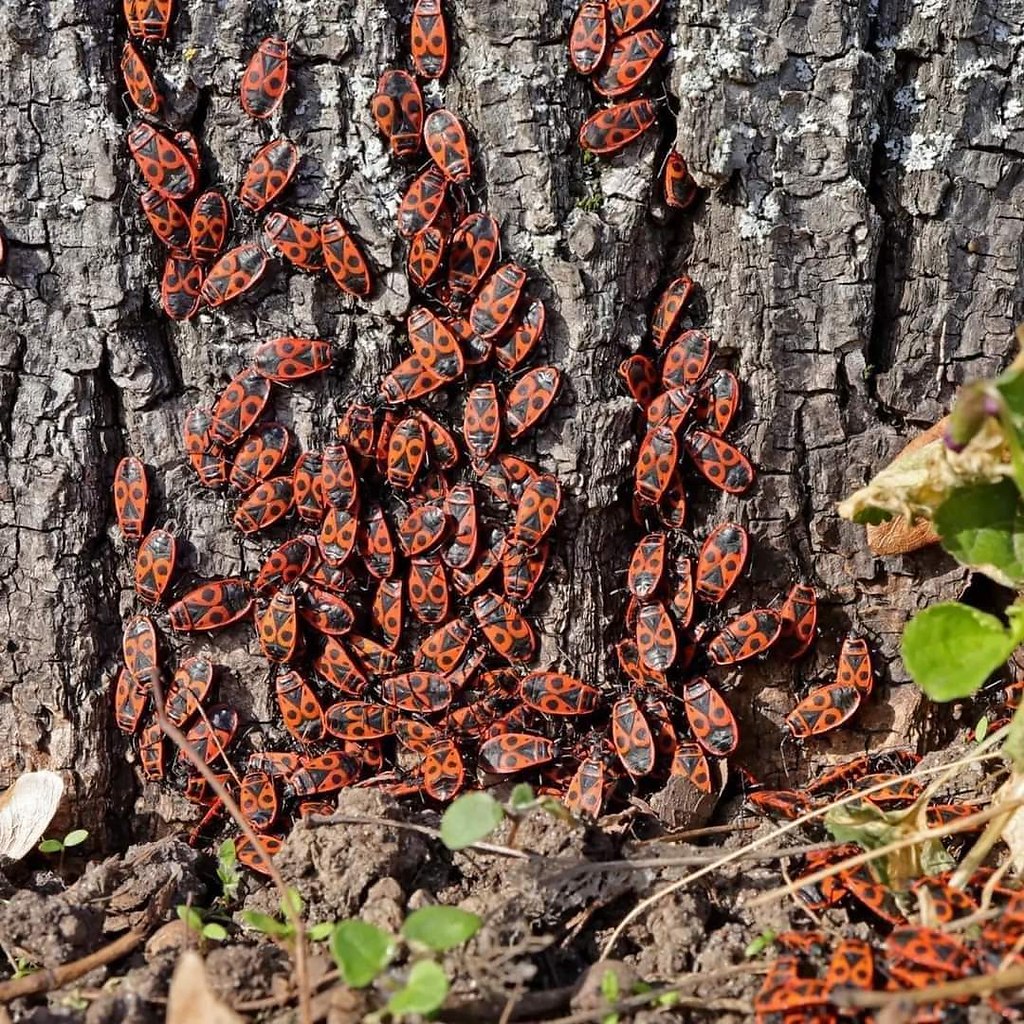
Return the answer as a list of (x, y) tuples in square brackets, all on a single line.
[(177, 737)]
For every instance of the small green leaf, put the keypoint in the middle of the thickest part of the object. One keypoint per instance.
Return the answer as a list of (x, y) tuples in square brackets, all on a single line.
[(951, 649), (51, 846), (424, 992), (610, 1018), (319, 932), (470, 818), (1010, 384), (553, 806), (862, 822), (361, 951), (521, 797), (294, 900), (440, 928), (610, 986), (226, 856), (191, 917), (759, 944), (981, 729), (215, 932), (667, 1000), (76, 838), (983, 527), (641, 988), (266, 924)]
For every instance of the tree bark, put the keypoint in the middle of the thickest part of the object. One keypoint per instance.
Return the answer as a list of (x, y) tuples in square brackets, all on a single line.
[(857, 249)]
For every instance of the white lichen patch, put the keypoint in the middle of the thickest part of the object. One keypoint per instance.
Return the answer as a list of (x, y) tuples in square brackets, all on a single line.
[(972, 70), (720, 54), (758, 220), (919, 152), (909, 99)]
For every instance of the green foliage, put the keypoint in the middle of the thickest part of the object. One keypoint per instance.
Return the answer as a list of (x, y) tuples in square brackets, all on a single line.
[(74, 838), (440, 928), (951, 649), (424, 991), (610, 986), (23, 967), (981, 729), (364, 953), (212, 931), (283, 928), (759, 943), (272, 927), (470, 818), (522, 798), (227, 871), (982, 527), (361, 951)]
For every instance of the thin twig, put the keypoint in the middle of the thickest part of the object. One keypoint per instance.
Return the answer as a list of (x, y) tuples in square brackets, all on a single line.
[(939, 831), (48, 979), (283, 998), (220, 790), (689, 860), (685, 835), (981, 985), (644, 905)]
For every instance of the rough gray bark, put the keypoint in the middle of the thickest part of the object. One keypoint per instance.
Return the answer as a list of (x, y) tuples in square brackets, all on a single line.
[(858, 251)]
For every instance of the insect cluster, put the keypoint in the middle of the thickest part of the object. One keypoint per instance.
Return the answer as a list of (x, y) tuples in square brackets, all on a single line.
[(913, 956), (392, 608), (676, 590), (195, 229), (392, 612), (614, 46)]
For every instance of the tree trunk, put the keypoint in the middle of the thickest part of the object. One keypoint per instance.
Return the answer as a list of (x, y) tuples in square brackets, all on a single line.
[(857, 249)]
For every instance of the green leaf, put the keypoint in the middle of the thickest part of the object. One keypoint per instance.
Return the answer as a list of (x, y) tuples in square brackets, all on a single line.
[(1010, 384), (76, 838), (226, 856), (759, 944), (191, 917), (440, 928), (361, 951), (610, 1018), (610, 986), (294, 900), (521, 797), (51, 846), (215, 932), (424, 992), (951, 649), (470, 818), (862, 822), (319, 932), (266, 924), (981, 729), (553, 806), (667, 1000), (983, 527)]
